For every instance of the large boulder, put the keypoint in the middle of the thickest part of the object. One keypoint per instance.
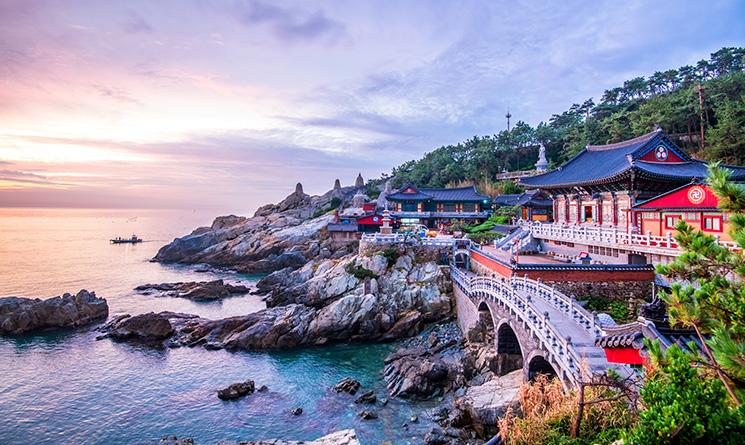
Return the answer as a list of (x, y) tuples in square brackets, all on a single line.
[(148, 328), (198, 291), (427, 365), (236, 390), (487, 403), (19, 315)]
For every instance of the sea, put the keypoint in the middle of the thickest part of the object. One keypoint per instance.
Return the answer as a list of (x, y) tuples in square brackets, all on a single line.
[(66, 387)]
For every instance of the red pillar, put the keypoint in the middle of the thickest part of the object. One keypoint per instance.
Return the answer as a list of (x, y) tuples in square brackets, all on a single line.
[(579, 208), (615, 211), (566, 209)]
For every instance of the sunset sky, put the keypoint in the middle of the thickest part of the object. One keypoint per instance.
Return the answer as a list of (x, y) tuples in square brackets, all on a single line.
[(227, 104)]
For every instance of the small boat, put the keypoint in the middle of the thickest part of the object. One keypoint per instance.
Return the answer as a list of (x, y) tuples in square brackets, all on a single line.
[(132, 240)]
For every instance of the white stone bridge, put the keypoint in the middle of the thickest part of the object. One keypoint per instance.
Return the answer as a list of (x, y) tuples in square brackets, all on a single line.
[(535, 327)]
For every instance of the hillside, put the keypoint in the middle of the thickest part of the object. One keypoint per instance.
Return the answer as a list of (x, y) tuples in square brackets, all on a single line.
[(669, 99)]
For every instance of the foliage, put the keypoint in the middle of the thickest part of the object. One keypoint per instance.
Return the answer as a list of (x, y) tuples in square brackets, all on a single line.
[(716, 305), (684, 404), (666, 98), (615, 308), (508, 211), (548, 412), (487, 187), (508, 187), (359, 272), (484, 237), (391, 254)]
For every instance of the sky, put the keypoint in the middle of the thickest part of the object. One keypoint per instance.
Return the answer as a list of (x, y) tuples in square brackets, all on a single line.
[(226, 105)]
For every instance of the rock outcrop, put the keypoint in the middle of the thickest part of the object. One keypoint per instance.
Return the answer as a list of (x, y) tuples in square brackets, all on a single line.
[(277, 236), (334, 304), (144, 328), (236, 390), (198, 291), (19, 315), (344, 437), (422, 368), (485, 404), (347, 385)]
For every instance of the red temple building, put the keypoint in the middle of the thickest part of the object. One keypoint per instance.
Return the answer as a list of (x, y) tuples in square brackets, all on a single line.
[(620, 201), (694, 203)]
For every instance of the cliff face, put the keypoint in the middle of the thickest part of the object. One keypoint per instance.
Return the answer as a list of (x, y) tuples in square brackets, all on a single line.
[(277, 236)]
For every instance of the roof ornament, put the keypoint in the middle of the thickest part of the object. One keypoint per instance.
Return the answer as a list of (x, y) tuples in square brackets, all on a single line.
[(542, 163)]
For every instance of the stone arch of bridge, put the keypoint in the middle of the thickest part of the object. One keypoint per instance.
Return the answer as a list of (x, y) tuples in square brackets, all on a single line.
[(513, 342), (537, 364)]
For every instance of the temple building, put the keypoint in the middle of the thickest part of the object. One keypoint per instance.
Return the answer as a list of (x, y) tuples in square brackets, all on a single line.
[(694, 203), (602, 183), (534, 205), (434, 207), (620, 202)]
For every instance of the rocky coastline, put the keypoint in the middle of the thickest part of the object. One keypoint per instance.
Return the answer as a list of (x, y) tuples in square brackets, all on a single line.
[(20, 315), (317, 291), (322, 302)]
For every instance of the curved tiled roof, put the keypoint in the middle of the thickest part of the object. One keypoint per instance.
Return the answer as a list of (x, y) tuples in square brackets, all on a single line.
[(598, 164), (528, 197), (457, 194)]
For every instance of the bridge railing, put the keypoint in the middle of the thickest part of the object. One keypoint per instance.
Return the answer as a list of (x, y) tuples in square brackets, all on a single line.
[(609, 236), (557, 299), (559, 346), (564, 303)]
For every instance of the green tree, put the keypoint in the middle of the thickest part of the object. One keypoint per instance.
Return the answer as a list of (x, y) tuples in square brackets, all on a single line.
[(715, 307), (682, 405)]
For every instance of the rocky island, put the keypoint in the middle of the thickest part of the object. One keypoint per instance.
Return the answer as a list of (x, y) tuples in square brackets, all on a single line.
[(19, 315)]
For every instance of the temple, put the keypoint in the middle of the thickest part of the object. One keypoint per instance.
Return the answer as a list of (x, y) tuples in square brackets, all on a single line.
[(433, 207), (534, 205), (621, 200)]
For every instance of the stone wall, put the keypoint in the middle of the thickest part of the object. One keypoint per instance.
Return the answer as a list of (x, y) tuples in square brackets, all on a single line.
[(611, 290), (467, 312)]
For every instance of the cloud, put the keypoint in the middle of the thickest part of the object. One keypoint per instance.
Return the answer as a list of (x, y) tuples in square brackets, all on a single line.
[(116, 94), (135, 24), (288, 25), (17, 176)]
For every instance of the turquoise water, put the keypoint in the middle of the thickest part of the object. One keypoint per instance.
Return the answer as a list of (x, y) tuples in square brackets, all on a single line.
[(66, 387)]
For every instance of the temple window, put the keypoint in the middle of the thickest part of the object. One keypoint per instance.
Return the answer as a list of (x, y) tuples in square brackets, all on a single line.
[(712, 223), (671, 221)]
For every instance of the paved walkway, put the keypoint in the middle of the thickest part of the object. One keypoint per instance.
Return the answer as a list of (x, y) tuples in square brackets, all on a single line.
[(522, 259)]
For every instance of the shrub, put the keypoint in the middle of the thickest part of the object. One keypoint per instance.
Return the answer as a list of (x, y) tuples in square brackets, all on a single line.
[(359, 272), (684, 404), (484, 237), (548, 413), (617, 309), (391, 254), (333, 204)]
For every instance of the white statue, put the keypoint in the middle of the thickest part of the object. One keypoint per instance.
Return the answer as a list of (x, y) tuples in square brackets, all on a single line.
[(542, 163)]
